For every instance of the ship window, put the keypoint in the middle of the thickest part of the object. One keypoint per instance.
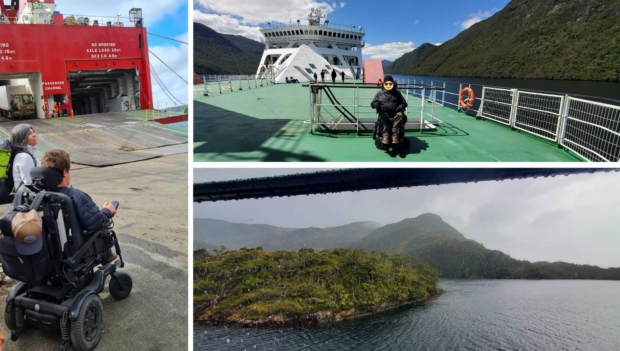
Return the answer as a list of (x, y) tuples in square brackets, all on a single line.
[(320, 32), (297, 32), (328, 66), (140, 41), (338, 35), (313, 66), (347, 36), (308, 70)]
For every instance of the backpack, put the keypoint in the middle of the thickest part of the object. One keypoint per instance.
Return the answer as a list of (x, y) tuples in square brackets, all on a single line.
[(6, 171)]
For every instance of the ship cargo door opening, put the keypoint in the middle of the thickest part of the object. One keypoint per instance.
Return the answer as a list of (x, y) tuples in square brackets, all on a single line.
[(113, 90), (21, 96)]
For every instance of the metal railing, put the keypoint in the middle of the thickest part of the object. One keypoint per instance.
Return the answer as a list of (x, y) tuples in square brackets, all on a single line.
[(229, 83), (589, 129), (353, 112), (85, 20), (306, 24)]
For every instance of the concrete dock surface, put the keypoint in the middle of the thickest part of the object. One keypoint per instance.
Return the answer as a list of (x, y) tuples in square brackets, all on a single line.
[(151, 224)]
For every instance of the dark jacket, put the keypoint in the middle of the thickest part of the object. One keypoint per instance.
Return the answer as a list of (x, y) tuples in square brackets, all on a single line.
[(390, 102), (334, 74), (89, 214)]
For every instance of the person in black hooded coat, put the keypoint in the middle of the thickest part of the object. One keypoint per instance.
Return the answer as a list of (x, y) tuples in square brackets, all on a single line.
[(390, 103)]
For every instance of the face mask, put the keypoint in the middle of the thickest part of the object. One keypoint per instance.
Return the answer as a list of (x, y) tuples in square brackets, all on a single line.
[(388, 86)]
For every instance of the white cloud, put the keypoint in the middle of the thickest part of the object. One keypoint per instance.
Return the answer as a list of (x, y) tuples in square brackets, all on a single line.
[(253, 12), (416, 22), (342, 4), (227, 24), (476, 17), (176, 58), (387, 51)]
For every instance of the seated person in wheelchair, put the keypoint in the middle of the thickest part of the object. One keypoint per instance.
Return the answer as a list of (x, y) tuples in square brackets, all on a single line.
[(390, 105), (89, 215)]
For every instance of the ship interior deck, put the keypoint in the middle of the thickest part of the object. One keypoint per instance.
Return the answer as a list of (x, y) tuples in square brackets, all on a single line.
[(266, 124), (91, 89), (105, 139)]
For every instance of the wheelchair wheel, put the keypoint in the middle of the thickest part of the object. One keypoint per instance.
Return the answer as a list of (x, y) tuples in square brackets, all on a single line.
[(86, 329), (120, 285), (403, 145), (10, 318)]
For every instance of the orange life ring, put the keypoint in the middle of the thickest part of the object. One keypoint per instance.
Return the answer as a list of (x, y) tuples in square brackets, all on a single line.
[(126, 103), (467, 102)]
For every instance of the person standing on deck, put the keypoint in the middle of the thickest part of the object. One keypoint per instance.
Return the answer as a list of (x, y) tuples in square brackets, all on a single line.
[(334, 74), (342, 75), (323, 76), (316, 79)]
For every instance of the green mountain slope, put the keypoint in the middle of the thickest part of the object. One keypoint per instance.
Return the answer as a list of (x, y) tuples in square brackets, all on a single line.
[(271, 238), (544, 39), (431, 240), (215, 53), (408, 59)]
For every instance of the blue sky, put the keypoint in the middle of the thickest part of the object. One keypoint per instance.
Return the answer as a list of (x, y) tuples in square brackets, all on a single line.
[(392, 27)]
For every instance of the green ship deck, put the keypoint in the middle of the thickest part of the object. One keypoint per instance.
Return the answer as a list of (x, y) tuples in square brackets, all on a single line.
[(266, 125)]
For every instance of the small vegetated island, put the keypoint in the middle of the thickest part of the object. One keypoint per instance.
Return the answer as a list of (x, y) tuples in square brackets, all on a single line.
[(256, 288)]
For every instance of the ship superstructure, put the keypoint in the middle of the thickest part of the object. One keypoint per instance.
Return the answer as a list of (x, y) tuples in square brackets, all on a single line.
[(85, 64), (301, 49)]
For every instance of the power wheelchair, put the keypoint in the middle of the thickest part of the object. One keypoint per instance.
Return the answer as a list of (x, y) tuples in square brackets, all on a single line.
[(404, 143), (58, 288)]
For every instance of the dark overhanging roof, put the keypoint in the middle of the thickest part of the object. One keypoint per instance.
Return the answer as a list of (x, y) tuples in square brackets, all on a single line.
[(365, 179)]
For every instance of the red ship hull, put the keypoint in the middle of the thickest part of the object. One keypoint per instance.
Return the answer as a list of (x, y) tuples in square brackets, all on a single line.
[(63, 54)]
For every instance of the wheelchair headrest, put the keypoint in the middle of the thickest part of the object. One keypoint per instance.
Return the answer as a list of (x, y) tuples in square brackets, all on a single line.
[(45, 178)]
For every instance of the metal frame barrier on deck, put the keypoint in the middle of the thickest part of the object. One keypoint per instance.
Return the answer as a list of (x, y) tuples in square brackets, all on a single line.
[(225, 83), (591, 129), (361, 106), (587, 128)]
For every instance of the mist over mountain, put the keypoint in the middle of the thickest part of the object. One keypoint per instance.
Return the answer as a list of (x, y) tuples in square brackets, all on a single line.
[(272, 238)]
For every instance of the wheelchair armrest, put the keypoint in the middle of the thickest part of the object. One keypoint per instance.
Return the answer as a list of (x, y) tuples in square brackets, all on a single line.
[(71, 261)]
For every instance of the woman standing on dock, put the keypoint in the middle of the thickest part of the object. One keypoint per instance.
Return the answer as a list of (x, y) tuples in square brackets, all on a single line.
[(23, 145)]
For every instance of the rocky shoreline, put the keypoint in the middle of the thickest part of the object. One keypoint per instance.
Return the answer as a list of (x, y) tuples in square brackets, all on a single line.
[(321, 317)]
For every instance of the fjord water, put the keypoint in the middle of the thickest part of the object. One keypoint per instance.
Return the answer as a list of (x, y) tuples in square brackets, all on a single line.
[(471, 315), (610, 90)]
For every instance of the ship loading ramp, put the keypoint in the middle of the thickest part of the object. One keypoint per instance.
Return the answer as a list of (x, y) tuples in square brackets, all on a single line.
[(105, 139)]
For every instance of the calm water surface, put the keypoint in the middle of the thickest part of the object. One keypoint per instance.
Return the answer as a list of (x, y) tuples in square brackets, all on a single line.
[(472, 315), (610, 90)]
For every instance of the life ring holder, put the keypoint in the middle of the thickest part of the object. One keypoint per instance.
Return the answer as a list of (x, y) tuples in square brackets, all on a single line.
[(467, 98)]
